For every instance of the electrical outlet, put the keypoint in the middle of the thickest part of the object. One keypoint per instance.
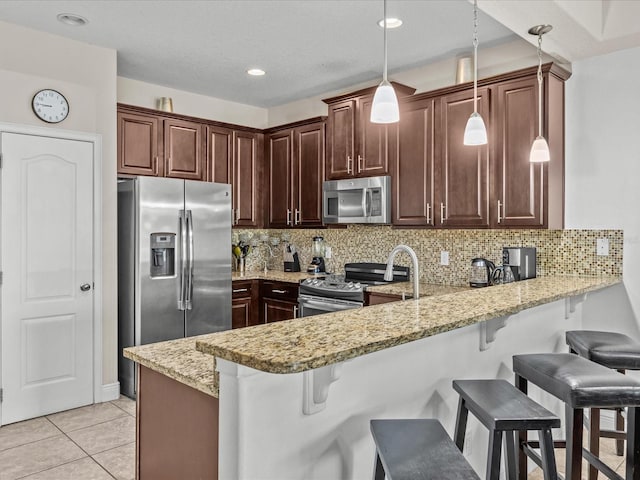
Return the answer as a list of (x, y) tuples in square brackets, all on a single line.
[(444, 258), (602, 246), (327, 252)]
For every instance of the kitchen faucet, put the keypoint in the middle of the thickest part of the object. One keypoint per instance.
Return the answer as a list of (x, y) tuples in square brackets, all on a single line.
[(388, 274)]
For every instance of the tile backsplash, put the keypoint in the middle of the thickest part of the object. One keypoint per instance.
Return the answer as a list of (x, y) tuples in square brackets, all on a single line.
[(559, 252)]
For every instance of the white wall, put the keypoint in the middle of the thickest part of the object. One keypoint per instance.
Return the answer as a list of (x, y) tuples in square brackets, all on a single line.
[(603, 168), (86, 75), (142, 94)]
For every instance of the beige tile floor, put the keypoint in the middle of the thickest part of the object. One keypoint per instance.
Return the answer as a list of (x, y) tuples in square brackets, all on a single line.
[(96, 442)]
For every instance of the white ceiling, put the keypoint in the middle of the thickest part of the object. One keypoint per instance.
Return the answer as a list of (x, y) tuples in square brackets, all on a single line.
[(310, 47), (307, 47)]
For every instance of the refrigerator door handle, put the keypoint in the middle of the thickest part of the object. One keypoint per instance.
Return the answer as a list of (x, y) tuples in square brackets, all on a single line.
[(182, 229), (189, 269)]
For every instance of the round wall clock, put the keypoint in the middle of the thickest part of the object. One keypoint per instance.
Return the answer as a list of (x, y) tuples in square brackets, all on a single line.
[(50, 106)]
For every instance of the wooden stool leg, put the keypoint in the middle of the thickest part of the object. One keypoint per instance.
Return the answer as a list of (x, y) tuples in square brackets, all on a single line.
[(548, 456), (521, 384), (574, 419), (510, 450), (594, 440), (633, 444), (378, 470), (493, 457), (461, 424), (620, 428)]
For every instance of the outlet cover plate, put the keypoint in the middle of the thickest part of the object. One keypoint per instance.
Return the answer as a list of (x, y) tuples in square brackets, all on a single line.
[(602, 246), (444, 258)]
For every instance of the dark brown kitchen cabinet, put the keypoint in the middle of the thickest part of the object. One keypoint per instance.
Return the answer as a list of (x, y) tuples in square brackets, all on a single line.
[(295, 163), (245, 303), (462, 171), (247, 173), (412, 166), (219, 154), (376, 298), (355, 146), (528, 194), (183, 150), (138, 144), (279, 301)]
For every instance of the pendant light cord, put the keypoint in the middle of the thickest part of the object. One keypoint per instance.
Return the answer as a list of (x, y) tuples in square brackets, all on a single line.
[(475, 56), (540, 85), (384, 19)]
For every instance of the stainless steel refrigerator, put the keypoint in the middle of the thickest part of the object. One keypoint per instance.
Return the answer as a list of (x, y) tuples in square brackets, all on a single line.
[(174, 263)]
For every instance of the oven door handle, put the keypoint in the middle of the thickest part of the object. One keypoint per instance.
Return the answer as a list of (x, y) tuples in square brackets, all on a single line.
[(329, 304)]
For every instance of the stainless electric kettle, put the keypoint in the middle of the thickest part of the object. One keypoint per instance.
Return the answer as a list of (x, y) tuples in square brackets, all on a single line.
[(481, 272)]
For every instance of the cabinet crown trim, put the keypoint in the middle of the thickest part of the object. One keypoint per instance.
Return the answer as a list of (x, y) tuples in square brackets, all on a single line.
[(401, 91)]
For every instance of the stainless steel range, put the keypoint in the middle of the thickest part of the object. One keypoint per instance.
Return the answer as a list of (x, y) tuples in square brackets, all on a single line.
[(334, 293)]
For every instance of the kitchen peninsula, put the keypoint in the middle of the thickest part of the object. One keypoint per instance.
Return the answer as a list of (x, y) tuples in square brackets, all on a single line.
[(294, 398)]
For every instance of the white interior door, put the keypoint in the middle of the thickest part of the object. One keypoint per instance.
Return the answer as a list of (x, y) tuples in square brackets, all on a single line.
[(47, 265)]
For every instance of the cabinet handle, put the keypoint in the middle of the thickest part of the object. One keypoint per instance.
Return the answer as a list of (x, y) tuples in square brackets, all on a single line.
[(155, 166), (275, 290), (295, 311), (499, 208), (297, 216), (442, 209), (428, 214), (288, 216), (265, 313), (236, 215), (360, 159), (238, 290), (349, 161)]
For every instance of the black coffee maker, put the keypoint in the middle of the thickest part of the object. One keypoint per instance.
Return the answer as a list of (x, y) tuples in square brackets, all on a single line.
[(317, 250)]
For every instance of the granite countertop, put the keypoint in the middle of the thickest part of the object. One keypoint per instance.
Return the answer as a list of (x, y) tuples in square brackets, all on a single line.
[(280, 276), (179, 360), (302, 344), (406, 288)]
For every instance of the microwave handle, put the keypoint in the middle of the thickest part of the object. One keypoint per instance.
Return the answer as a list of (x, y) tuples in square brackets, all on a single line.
[(366, 202)]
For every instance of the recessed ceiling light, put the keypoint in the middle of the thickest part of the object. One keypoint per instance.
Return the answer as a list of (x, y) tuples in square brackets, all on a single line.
[(391, 23), (72, 19), (256, 72)]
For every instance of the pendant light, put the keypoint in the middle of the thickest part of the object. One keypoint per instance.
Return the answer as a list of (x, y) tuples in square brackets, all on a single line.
[(385, 103), (540, 148), (475, 133)]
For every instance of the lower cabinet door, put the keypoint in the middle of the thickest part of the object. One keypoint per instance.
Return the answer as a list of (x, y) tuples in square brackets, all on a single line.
[(278, 310), (241, 312)]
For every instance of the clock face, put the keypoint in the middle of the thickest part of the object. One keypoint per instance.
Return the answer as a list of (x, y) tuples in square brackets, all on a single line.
[(50, 106)]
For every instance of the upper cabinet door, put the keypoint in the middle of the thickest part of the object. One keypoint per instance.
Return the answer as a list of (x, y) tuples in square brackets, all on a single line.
[(372, 154), (341, 140), (183, 150), (308, 172), (519, 184), (463, 171), (246, 174), (138, 144), (219, 154), (412, 153), (280, 150)]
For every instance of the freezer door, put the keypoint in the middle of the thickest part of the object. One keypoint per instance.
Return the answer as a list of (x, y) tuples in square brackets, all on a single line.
[(208, 301), (160, 202)]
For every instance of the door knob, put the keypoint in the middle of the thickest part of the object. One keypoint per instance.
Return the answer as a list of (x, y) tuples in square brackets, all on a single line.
[(85, 287)]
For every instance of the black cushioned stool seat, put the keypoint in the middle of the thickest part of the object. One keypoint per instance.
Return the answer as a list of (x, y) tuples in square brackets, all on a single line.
[(580, 384), (501, 407), (417, 449)]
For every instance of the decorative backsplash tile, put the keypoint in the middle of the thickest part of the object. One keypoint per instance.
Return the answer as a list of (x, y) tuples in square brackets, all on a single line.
[(559, 252)]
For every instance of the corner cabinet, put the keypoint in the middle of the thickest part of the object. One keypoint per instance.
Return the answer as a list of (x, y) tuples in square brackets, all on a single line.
[(440, 182), (295, 168), (355, 146)]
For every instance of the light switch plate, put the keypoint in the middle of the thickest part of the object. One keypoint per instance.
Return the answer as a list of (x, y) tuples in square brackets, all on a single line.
[(327, 252), (602, 246), (444, 258)]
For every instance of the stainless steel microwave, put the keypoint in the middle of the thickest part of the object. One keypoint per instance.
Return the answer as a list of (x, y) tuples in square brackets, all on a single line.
[(357, 200)]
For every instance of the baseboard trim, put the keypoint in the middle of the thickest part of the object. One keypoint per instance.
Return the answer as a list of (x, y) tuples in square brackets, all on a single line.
[(110, 392)]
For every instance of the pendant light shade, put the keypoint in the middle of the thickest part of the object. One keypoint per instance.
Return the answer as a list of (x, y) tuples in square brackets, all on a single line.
[(385, 103), (540, 149), (475, 133)]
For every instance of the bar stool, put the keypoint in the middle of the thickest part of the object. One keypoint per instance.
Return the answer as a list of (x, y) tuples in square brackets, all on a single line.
[(501, 407), (581, 384), (613, 350), (417, 449)]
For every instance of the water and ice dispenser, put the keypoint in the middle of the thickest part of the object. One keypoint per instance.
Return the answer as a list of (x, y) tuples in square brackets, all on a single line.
[(163, 249)]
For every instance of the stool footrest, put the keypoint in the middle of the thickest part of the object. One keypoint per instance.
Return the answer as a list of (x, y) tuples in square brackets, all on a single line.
[(600, 465)]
